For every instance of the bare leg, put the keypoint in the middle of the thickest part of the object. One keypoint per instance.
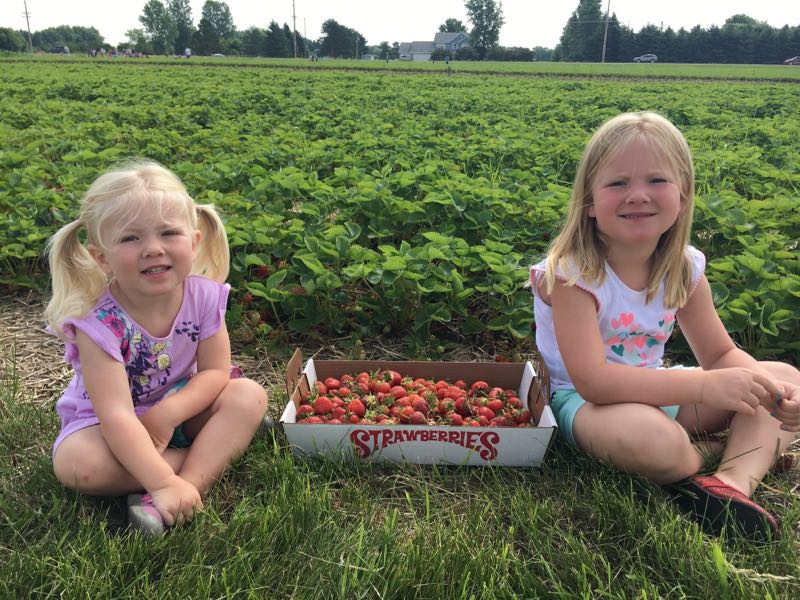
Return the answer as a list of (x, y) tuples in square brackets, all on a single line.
[(222, 432), (755, 441), (84, 462), (637, 438)]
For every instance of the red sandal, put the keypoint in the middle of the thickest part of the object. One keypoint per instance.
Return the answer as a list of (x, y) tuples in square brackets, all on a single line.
[(714, 503)]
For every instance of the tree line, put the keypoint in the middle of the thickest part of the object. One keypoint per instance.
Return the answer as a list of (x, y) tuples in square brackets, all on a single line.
[(741, 40), (588, 36)]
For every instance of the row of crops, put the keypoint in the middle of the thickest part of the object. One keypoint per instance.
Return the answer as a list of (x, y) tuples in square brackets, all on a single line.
[(403, 206)]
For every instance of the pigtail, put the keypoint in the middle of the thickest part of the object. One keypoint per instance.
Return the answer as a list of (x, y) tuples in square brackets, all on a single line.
[(213, 255), (77, 280)]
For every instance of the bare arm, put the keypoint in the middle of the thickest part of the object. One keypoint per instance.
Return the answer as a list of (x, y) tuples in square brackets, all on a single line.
[(213, 374), (601, 382), (107, 385)]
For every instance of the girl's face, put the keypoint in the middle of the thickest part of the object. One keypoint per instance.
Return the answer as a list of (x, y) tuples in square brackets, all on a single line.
[(149, 256), (636, 197)]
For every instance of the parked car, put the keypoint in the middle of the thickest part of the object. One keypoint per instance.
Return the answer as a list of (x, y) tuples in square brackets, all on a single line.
[(795, 60), (646, 58), (59, 50)]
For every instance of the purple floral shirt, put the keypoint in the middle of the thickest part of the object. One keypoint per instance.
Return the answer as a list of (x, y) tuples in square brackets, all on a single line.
[(154, 365)]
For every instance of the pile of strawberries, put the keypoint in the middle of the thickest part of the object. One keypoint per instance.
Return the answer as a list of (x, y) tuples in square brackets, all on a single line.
[(387, 398)]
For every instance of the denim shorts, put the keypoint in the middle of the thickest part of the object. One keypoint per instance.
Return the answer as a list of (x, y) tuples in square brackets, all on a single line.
[(566, 403)]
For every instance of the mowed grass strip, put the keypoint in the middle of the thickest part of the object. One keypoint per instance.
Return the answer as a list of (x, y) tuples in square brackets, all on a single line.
[(281, 527)]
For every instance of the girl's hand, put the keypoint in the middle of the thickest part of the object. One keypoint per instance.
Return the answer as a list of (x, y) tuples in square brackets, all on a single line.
[(737, 388), (787, 407), (177, 500), (158, 427)]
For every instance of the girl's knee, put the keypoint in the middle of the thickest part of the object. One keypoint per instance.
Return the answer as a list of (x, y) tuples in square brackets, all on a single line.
[(641, 439), (244, 396), (81, 470)]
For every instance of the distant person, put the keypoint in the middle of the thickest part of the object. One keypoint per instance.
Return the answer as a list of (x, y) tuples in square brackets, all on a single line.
[(615, 282), (155, 409), (188, 53)]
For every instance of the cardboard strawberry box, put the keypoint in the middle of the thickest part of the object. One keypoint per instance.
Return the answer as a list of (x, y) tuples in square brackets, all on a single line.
[(424, 444)]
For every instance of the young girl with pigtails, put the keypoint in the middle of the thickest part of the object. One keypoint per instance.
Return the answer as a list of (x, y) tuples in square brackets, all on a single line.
[(615, 282), (155, 409)]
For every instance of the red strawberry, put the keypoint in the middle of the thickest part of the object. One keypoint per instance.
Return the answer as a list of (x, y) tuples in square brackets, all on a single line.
[(455, 419), (304, 410), (514, 402), (398, 391), (485, 411), (311, 420), (417, 418), (462, 407), (421, 405), (524, 417), (332, 383), (323, 405), (357, 407), (405, 414), (479, 387), (495, 405)]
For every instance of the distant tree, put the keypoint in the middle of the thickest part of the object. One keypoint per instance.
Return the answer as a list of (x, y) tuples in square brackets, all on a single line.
[(137, 40), (216, 31), (453, 26), (384, 50), (79, 39), (511, 53), (486, 17), (12, 40), (159, 25), (253, 41), (466, 53), (181, 13), (275, 44), (542, 54), (582, 38), (339, 41), (395, 53)]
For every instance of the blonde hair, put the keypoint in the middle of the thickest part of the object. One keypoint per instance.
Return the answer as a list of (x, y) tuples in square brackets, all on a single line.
[(579, 250), (115, 198)]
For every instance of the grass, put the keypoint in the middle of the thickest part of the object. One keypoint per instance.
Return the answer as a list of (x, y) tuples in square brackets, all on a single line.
[(681, 71), (281, 527)]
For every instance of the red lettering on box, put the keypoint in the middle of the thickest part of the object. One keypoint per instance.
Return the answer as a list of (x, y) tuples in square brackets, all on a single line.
[(366, 442)]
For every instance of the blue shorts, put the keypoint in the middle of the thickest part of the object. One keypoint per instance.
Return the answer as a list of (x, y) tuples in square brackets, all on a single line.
[(566, 403)]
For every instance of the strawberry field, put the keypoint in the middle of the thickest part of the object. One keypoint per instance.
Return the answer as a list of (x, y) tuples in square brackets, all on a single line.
[(379, 205)]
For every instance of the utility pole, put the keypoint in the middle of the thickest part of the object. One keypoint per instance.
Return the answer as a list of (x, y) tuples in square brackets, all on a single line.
[(305, 38), (27, 20), (294, 29), (605, 33)]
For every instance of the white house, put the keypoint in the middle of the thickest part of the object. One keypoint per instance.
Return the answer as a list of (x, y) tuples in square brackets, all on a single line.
[(416, 50), (450, 42)]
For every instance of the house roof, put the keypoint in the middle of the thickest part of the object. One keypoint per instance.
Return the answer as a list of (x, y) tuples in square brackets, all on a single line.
[(443, 37), (422, 47)]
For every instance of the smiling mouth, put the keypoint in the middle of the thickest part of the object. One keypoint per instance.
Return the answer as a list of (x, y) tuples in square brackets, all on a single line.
[(637, 215), (155, 270)]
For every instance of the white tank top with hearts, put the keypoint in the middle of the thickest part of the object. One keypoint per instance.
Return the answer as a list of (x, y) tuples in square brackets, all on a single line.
[(634, 331)]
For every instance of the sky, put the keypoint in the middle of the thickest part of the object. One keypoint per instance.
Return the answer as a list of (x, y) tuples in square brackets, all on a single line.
[(528, 23)]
